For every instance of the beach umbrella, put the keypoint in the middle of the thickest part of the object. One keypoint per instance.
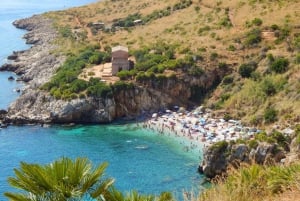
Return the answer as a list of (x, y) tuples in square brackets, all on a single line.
[(154, 115), (181, 109)]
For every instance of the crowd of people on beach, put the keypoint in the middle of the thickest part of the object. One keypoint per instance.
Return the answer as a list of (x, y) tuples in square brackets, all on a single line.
[(198, 126)]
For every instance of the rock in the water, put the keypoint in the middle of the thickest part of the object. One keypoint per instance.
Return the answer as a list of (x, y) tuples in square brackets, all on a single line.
[(12, 57), (11, 78), (2, 112)]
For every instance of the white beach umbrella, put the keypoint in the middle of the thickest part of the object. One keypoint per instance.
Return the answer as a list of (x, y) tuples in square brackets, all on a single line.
[(154, 115)]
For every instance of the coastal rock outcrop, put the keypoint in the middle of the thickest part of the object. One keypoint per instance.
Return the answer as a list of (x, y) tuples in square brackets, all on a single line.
[(221, 156), (214, 162)]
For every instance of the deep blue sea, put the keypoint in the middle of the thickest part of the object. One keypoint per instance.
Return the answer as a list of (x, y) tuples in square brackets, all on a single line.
[(138, 159)]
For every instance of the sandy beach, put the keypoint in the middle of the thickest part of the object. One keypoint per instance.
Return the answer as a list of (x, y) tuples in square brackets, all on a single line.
[(197, 129)]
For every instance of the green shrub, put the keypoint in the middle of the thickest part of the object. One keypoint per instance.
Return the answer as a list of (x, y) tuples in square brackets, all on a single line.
[(99, 57), (280, 65), (66, 32), (270, 115), (56, 94), (296, 42), (128, 21), (240, 141), (231, 48), (213, 56), (224, 97), (281, 140), (227, 117), (297, 133), (297, 60), (253, 144), (201, 30), (257, 21), (195, 71), (253, 37), (283, 33), (268, 87), (78, 86), (271, 58), (228, 79), (219, 147), (125, 74), (202, 49), (245, 70), (141, 77), (225, 22), (275, 27), (121, 85), (223, 65), (262, 136), (99, 90), (256, 76)]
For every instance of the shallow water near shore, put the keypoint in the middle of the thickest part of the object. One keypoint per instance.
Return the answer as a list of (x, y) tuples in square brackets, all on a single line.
[(138, 159)]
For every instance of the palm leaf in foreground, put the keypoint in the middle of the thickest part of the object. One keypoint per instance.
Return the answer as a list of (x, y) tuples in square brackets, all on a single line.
[(63, 179)]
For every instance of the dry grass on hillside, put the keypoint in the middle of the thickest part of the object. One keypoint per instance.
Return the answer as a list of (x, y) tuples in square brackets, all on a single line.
[(182, 26), (202, 29), (256, 183)]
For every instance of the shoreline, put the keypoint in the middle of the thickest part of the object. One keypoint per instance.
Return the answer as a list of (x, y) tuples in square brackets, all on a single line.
[(188, 144), (199, 126)]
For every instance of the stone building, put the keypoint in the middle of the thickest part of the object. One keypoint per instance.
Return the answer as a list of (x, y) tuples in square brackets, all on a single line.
[(119, 59)]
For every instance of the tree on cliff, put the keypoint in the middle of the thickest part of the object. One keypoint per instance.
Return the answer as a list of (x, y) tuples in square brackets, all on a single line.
[(61, 180)]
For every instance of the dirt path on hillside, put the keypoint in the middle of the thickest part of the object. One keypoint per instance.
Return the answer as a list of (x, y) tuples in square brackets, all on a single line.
[(86, 28)]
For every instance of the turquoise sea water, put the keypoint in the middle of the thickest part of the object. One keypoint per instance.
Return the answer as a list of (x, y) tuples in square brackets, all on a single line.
[(138, 159)]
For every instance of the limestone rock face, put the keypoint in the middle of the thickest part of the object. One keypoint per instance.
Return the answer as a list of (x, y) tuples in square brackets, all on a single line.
[(239, 153), (37, 106), (216, 162), (267, 154)]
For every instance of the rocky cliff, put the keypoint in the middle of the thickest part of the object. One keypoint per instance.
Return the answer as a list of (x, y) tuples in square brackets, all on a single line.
[(37, 65), (219, 157)]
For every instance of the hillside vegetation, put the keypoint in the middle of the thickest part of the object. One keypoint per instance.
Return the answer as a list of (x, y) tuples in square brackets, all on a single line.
[(251, 183), (257, 42)]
